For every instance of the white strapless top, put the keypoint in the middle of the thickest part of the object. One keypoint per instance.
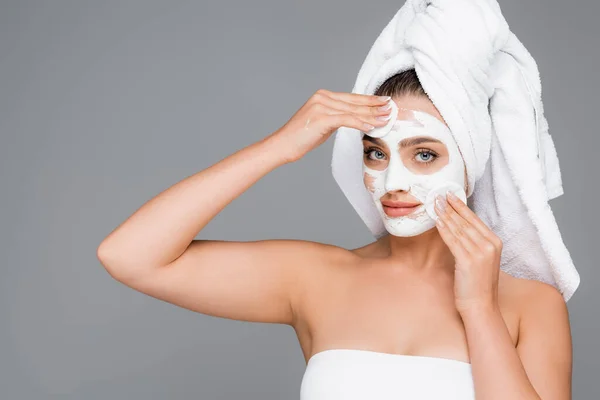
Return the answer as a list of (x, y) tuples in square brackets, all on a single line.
[(350, 374)]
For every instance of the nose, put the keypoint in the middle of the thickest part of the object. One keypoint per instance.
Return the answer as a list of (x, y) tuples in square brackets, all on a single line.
[(397, 176)]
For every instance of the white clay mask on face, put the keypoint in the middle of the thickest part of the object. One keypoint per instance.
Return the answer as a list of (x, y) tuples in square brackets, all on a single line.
[(396, 170)]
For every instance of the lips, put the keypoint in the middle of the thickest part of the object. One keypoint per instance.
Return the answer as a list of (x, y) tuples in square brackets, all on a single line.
[(400, 204), (399, 208)]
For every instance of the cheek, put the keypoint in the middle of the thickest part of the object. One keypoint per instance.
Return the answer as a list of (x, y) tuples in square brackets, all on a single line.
[(369, 182), (374, 182)]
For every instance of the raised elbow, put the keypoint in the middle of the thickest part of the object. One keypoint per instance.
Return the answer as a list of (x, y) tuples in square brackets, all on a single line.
[(111, 262), (120, 265)]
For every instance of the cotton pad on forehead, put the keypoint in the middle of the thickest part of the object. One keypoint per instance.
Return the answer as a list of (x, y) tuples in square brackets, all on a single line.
[(382, 131), (407, 118)]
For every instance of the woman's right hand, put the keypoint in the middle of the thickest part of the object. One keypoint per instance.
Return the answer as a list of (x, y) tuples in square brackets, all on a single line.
[(325, 112)]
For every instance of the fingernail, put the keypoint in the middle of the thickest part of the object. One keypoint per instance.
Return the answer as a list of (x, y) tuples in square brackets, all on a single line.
[(368, 127), (384, 98), (440, 202), (387, 107), (384, 117), (451, 195)]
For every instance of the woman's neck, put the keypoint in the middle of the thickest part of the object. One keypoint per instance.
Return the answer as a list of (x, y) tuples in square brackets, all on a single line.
[(425, 253)]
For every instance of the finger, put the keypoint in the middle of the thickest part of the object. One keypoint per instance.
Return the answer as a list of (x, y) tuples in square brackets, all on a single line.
[(484, 236), (337, 120), (366, 112), (357, 98), (465, 212), (457, 227), (453, 243), (465, 226), (368, 123)]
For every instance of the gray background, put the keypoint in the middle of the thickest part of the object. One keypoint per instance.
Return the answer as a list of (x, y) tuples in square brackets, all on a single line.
[(105, 104)]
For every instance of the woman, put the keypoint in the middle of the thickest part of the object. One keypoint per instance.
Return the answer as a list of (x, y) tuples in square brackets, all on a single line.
[(514, 332), (422, 313)]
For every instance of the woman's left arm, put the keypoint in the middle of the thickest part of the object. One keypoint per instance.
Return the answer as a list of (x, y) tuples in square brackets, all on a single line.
[(539, 368)]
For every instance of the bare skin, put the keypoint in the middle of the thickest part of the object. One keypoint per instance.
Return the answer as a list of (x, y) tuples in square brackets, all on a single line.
[(394, 295), (365, 300)]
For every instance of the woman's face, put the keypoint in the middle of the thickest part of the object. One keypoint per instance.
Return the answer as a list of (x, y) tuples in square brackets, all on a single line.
[(416, 156)]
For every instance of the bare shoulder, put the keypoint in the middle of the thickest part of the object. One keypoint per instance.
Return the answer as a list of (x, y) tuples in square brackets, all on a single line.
[(320, 263), (314, 266), (313, 260), (531, 297), (543, 298), (528, 291), (321, 253)]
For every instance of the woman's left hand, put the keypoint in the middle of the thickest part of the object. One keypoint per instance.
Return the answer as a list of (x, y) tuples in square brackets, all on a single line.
[(476, 251)]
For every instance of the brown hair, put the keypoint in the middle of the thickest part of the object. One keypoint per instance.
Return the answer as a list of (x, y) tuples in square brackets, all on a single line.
[(401, 84)]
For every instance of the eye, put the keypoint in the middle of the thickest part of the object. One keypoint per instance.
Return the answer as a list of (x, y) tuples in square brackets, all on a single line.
[(429, 156), (379, 155)]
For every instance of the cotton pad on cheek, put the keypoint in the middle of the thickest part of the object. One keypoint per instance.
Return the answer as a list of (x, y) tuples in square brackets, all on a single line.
[(382, 131), (441, 190)]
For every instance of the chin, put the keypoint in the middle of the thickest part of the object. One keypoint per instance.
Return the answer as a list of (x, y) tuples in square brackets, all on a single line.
[(404, 232), (408, 226)]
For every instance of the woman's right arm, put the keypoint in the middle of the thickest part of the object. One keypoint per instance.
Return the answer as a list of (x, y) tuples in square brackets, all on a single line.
[(154, 250)]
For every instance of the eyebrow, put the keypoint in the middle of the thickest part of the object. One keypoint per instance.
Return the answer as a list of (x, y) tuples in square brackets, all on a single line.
[(403, 143)]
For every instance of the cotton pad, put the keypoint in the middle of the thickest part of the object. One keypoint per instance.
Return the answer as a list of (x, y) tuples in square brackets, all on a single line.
[(382, 131), (441, 190)]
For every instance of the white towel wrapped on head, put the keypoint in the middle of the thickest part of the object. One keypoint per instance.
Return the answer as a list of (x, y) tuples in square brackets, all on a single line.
[(486, 86)]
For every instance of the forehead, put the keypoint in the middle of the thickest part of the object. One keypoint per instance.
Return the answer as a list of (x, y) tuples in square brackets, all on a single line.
[(413, 127)]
